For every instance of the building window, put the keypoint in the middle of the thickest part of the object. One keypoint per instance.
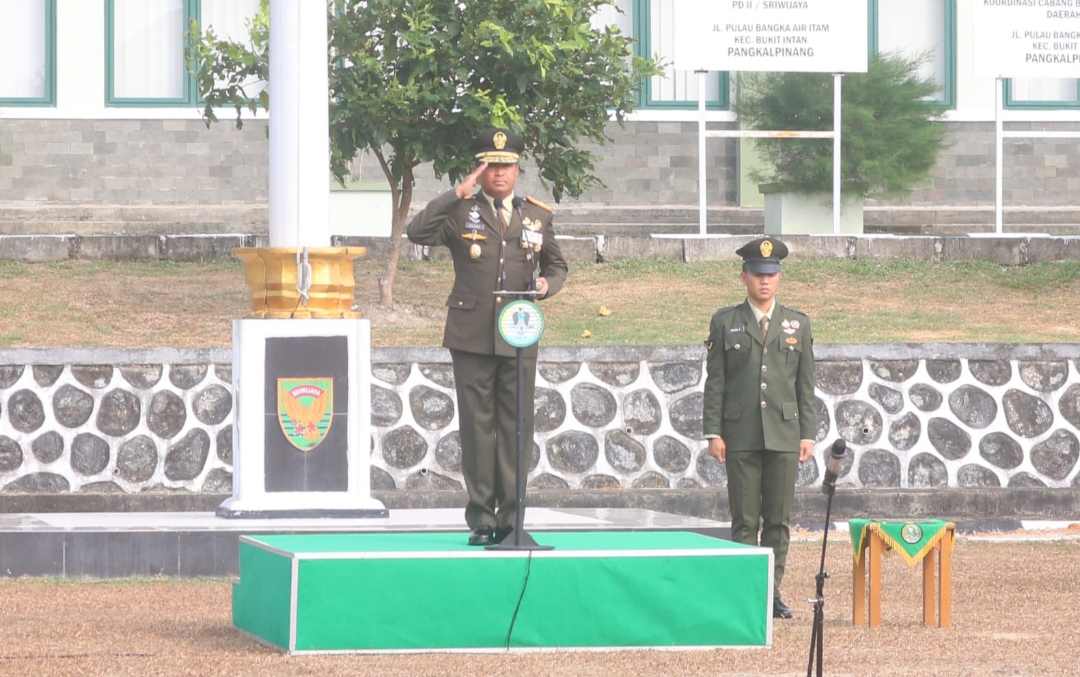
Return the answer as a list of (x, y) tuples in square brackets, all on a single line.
[(145, 46), (28, 52), (1044, 93), (652, 25), (913, 27)]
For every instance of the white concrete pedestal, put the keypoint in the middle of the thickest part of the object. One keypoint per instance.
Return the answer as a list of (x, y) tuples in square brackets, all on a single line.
[(256, 402)]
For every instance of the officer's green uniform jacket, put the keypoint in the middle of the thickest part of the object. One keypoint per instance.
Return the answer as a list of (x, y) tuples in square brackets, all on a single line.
[(472, 306), (759, 391)]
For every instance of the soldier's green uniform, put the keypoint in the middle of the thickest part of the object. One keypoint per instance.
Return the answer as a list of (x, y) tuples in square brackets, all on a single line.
[(759, 393), (488, 258)]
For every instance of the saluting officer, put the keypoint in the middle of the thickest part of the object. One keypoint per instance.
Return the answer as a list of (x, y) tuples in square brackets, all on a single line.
[(758, 409), (497, 241)]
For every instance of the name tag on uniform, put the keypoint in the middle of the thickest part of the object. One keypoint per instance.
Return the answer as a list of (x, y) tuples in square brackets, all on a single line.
[(736, 330), (534, 237)]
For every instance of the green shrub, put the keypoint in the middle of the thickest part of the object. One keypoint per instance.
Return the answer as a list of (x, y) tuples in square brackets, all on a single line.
[(890, 140)]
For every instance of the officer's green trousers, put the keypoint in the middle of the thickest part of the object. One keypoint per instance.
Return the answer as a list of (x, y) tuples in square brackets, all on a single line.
[(761, 490)]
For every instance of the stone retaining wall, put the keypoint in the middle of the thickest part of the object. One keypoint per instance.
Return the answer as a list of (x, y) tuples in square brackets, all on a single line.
[(606, 418)]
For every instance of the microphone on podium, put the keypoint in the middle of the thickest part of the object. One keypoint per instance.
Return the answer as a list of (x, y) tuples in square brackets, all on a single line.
[(833, 465)]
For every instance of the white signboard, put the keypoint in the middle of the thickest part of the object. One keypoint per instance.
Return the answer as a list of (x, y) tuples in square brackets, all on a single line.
[(809, 36), (1027, 38)]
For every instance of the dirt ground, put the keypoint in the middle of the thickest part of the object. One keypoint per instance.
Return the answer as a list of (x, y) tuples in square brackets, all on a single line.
[(644, 302), (1015, 612)]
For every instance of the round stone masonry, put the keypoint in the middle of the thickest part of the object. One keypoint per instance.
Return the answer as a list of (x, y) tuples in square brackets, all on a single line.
[(1044, 376), (672, 377), (685, 414), (431, 409), (11, 455), (558, 372), (926, 470), (1001, 451), (1069, 405), (973, 406), (549, 410), (89, 454), (879, 468), (119, 413), (572, 452), (167, 414), (858, 422), (924, 397), (1027, 416), (904, 432), (137, 459), (990, 372), (950, 440), (386, 407), (212, 405), (142, 376), (839, 378), (25, 411), (896, 371), (403, 447), (976, 476), (71, 406), (618, 374), (1056, 456), (944, 371), (187, 457), (48, 447), (642, 413), (47, 374), (10, 374), (592, 405), (671, 455), (623, 453), (890, 399), (712, 472)]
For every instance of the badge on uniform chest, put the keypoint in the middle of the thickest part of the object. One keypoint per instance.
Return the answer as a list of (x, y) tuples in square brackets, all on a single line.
[(532, 236), (474, 232)]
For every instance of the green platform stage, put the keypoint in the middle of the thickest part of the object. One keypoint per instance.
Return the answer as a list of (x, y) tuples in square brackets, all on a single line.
[(331, 593)]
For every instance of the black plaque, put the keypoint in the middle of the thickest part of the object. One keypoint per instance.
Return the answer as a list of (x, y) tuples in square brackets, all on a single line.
[(324, 466)]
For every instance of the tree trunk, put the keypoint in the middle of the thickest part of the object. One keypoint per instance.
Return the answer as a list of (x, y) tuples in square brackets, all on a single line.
[(402, 200)]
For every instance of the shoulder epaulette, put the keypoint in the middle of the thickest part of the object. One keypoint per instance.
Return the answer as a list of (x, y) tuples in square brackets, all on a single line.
[(796, 312), (538, 203), (725, 310)]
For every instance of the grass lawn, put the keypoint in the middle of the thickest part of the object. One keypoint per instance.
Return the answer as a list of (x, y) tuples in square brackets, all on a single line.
[(149, 304)]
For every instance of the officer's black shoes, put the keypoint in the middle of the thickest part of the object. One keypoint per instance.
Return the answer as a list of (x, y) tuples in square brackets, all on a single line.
[(481, 536), (501, 533), (779, 609)]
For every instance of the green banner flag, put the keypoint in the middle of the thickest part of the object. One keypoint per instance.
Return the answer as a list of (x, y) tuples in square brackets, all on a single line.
[(912, 539)]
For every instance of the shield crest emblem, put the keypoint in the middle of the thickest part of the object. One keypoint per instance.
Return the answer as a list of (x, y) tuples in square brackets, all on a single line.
[(305, 409)]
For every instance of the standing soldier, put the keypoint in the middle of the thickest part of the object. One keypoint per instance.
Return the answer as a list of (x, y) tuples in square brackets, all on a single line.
[(758, 412), (497, 240)]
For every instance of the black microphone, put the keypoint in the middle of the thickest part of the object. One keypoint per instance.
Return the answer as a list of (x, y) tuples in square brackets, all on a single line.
[(833, 464), (517, 202)]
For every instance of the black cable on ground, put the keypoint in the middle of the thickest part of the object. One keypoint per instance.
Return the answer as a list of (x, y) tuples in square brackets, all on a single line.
[(521, 596)]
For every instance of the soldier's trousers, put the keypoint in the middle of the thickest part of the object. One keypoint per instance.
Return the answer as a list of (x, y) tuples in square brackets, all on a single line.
[(761, 490), (487, 422)]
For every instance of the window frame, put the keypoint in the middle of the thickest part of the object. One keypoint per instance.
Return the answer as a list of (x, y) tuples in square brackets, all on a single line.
[(192, 12), (948, 96), (1013, 104), (49, 98), (643, 47)]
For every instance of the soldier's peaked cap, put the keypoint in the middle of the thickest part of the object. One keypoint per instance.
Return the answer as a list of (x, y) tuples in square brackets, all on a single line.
[(763, 255), (498, 146)]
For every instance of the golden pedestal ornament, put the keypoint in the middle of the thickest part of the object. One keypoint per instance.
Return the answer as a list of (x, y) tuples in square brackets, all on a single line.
[(272, 274)]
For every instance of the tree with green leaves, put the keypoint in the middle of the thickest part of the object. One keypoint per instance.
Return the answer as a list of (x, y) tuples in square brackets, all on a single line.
[(411, 81), (889, 137)]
